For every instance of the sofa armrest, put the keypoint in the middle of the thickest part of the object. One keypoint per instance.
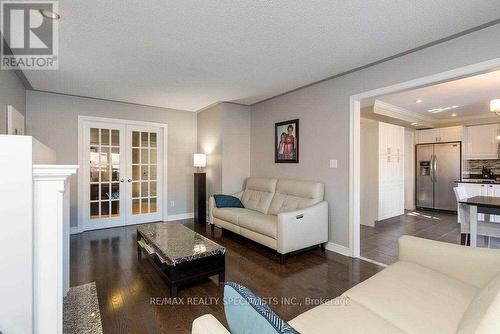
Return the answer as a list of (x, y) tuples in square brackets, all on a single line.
[(208, 324), (302, 228), (211, 206), (476, 266)]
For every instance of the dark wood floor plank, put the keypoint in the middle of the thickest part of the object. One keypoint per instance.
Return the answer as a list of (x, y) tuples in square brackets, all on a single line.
[(379, 243), (126, 285)]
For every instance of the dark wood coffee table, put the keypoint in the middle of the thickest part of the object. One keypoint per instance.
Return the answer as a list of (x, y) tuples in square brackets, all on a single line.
[(180, 255)]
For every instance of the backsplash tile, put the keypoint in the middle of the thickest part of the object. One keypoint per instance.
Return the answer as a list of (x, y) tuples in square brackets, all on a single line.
[(475, 166)]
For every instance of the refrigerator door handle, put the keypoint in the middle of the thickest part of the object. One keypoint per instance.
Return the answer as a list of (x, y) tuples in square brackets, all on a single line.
[(432, 168), (435, 169)]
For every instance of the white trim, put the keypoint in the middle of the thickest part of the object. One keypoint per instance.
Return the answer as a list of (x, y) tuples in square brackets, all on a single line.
[(81, 121), (391, 110), (374, 262), (53, 172), (354, 145), (180, 216), (118, 121), (342, 250)]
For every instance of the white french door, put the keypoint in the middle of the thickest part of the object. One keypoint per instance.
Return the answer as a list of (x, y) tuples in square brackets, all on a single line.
[(122, 174)]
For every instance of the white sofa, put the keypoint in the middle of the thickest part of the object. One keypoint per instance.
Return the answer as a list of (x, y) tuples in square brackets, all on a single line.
[(435, 287), (282, 214)]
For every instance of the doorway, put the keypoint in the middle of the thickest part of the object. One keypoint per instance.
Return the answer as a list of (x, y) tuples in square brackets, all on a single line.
[(355, 129), (122, 180)]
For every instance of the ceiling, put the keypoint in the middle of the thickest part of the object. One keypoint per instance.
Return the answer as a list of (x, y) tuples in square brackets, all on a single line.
[(190, 54), (472, 95)]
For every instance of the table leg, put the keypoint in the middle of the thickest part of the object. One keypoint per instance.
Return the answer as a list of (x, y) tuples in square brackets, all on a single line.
[(139, 249), (173, 291), (473, 225), (222, 278)]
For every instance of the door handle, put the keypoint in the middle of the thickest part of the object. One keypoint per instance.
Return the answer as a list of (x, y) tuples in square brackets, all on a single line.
[(122, 180), (432, 168), (435, 169), (129, 180)]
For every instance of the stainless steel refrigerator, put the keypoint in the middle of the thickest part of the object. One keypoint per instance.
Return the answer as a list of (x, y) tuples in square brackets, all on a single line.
[(438, 167)]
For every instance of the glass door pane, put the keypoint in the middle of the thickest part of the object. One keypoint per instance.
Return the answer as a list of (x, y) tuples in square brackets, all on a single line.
[(144, 172), (144, 167), (104, 185)]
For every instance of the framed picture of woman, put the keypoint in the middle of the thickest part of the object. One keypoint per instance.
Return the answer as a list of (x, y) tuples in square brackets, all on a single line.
[(286, 148)]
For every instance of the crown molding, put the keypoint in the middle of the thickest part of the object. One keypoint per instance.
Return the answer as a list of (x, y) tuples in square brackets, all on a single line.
[(390, 110)]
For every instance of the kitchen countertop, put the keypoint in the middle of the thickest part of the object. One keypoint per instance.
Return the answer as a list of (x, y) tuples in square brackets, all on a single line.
[(476, 181)]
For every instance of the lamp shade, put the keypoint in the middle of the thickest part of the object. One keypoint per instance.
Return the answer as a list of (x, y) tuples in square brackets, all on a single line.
[(199, 160), (495, 106)]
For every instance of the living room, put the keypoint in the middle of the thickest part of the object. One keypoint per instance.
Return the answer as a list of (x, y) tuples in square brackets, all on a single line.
[(173, 103)]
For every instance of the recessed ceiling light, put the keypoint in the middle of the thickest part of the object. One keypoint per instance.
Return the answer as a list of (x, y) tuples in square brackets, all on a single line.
[(441, 109), (453, 115), (414, 123), (50, 14), (418, 101)]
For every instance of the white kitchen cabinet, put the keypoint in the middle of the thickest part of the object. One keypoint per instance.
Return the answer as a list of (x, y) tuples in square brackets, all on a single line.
[(427, 136), (452, 133), (481, 142), (382, 171), (440, 135)]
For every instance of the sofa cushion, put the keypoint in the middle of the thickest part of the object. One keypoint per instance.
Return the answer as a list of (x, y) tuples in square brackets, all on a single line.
[(483, 313), (260, 223), (258, 193), (293, 195), (230, 214), (414, 298), (342, 315)]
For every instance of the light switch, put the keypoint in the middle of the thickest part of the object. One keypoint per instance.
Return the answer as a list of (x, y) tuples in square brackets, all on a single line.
[(333, 163)]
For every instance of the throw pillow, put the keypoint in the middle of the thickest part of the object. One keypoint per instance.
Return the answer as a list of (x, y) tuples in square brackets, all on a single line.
[(226, 201), (248, 314)]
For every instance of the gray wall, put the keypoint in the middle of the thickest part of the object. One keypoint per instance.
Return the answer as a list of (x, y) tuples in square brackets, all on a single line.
[(53, 119), (210, 143), (323, 110), (224, 135), (11, 92)]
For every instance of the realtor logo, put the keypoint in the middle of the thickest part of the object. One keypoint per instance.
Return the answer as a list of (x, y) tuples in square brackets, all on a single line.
[(30, 39)]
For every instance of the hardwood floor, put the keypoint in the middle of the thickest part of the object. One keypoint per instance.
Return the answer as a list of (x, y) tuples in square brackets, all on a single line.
[(126, 285), (380, 243)]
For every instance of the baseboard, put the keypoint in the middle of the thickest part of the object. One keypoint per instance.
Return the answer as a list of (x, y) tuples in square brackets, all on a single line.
[(74, 230), (180, 216), (333, 247)]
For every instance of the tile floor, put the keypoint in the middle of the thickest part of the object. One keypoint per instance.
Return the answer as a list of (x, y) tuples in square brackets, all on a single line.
[(379, 243)]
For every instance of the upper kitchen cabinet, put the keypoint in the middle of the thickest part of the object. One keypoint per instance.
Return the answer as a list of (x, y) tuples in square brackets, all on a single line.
[(481, 142), (440, 135)]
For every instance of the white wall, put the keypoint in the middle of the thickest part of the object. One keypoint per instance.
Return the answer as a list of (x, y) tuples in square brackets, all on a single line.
[(323, 110), (224, 135), (16, 259), (53, 119), (11, 92)]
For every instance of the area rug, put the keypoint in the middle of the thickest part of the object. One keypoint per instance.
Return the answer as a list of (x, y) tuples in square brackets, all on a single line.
[(81, 310)]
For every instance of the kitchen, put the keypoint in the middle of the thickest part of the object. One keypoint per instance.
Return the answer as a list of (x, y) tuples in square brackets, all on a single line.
[(416, 146)]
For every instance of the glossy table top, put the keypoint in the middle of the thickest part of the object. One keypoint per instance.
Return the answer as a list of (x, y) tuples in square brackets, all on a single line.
[(176, 243), (483, 201)]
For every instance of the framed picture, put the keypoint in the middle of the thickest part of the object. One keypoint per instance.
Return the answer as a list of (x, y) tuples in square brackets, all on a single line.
[(286, 146)]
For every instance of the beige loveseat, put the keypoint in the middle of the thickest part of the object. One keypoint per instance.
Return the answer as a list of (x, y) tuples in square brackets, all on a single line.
[(434, 288), (285, 215)]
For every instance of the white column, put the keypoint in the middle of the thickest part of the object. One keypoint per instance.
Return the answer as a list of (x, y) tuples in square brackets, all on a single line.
[(50, 246)]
